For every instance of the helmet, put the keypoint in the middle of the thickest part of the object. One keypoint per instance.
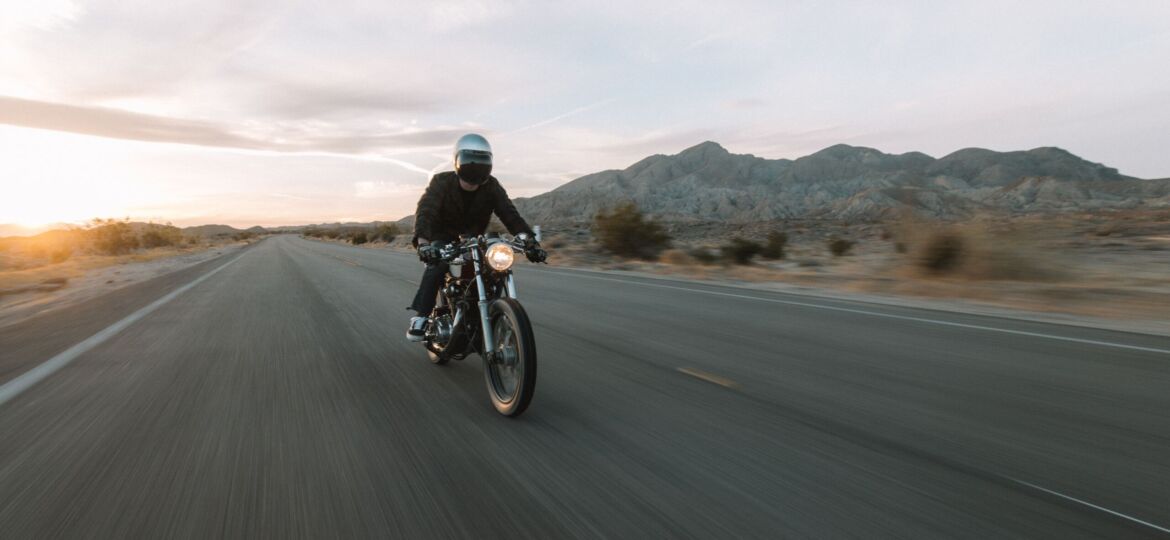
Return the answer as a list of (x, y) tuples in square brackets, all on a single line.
[(473, 159)]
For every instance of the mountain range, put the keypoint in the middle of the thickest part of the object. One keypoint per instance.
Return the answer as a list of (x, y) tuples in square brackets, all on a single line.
[(706, 182)]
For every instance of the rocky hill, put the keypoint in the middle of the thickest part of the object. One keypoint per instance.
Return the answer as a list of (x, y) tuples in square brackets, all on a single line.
[(706, 182)]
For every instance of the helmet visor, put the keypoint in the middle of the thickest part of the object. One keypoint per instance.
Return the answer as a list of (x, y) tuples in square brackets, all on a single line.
[(473, 166)]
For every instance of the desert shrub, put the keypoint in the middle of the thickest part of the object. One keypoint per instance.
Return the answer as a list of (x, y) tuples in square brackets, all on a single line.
[(703, 256), (60, 255), (839, 247), (981, 251), (626, 233), (675, 256), (243, 235), (740, 251), (160, 236), (110, 237), (332, 234), (774, 247), (358, 238), (385, 232), (942, 253)]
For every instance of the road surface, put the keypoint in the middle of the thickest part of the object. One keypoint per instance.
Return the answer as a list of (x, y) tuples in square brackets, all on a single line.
[(271, 394)]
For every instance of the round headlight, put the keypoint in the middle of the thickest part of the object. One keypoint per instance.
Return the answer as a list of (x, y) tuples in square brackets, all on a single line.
[(500, 257)]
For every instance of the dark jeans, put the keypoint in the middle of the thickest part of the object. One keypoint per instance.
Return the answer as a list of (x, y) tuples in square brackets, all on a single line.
[(432, 279)]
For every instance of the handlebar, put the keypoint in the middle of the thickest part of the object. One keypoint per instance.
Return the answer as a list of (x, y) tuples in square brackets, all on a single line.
[(450, 252)]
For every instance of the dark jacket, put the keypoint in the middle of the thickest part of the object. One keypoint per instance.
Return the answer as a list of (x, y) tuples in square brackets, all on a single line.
[(441, 215)]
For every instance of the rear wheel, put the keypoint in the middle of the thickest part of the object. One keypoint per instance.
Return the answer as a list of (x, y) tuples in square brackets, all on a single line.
[(511, 370)]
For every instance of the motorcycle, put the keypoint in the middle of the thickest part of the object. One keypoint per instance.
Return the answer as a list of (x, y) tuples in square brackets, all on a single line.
[(477, 311)]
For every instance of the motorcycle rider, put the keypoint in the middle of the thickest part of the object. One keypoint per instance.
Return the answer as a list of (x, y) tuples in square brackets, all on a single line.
[(460, 202)]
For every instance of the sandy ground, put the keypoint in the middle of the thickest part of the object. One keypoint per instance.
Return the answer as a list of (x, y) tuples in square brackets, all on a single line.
[(61, 285)]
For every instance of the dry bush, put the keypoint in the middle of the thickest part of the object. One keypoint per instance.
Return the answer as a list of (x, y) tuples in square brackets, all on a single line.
[(740, 251), (774, 248), (703, 256), (385, 232), (556, 241), (112, 237), (839, 247), (976, 251), (626, 233), (942, 253), (676, 256), (154, 235)]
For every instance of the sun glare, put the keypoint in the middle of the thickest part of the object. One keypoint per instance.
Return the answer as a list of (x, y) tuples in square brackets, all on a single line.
[(50, 177)]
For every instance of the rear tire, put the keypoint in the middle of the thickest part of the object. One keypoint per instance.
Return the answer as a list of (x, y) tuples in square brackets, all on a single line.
[(511, 377)]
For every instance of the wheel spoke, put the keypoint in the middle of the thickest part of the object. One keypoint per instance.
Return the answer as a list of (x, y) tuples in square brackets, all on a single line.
[(505, 370)]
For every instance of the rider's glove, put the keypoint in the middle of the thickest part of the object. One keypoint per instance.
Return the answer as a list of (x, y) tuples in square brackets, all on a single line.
[(428, 253), (534, 252)]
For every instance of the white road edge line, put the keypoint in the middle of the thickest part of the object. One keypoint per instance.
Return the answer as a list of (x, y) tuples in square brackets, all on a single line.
[(886, 315), (26, 380), (1089, 504)]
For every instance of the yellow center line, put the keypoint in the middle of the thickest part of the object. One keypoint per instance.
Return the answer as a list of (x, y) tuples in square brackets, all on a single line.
[(346, 260), (711, 378)]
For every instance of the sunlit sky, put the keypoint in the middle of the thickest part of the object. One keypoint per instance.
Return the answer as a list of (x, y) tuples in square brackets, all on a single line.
[(282, 112)]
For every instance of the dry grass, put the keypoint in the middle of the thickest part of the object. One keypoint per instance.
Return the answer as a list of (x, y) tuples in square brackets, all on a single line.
[(676, 257)]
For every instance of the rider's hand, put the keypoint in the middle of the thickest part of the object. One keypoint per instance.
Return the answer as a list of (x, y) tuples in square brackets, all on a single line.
[(428, 253), (534, 252)]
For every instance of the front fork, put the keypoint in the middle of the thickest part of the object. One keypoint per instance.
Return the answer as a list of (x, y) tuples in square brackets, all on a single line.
[(489, 346)]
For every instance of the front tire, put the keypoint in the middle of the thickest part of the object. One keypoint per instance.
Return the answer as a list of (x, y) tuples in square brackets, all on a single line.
[(511, 374)]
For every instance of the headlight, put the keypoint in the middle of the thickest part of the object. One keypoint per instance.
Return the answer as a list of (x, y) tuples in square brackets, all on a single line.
[(500, 257)]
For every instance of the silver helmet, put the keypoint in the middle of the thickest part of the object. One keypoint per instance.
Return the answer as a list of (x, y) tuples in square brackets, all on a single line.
[(473, 158)]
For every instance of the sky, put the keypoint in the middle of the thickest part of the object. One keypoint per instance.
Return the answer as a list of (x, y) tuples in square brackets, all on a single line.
[(278, 112)]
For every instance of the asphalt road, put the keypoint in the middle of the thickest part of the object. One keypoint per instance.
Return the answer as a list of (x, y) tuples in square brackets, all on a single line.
[(276, 397)]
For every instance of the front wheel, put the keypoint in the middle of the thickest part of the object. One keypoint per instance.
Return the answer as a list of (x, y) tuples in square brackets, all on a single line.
[(511, 370)]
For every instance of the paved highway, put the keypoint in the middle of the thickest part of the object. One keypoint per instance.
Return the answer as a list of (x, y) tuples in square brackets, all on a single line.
[(270, 393)]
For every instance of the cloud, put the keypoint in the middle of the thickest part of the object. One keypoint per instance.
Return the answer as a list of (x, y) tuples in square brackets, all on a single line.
[(119, 124), (376, 189), (40, 15), (703, 41), (322, 100), (560, 117), (451, 15), (744, 103)]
